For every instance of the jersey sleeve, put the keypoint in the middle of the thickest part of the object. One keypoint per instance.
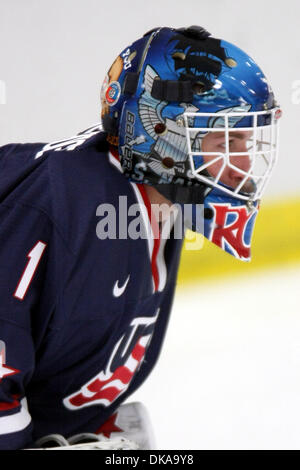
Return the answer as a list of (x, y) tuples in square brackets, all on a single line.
[(27, 293)]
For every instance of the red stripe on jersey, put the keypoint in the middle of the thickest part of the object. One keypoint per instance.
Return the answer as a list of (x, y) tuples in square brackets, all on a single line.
[(153, 222), (122, 373), (138, 352), (156, 234), (114, 151), (4, 406)]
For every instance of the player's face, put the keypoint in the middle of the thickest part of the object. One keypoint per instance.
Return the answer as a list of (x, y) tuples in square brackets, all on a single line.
[(239, 142)]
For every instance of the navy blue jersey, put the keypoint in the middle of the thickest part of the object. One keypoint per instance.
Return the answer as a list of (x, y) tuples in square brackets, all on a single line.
[(82, 316)]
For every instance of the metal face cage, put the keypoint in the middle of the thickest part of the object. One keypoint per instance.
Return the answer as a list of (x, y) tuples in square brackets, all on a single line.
[(237, 160)]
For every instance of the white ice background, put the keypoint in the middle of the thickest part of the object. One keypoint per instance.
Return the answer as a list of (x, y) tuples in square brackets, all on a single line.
[(229, 372)]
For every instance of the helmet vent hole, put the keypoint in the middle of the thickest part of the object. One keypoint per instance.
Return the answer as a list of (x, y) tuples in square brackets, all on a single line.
[(179, 55), (199, 88), (231, 62), (168, 162), (160, 128)]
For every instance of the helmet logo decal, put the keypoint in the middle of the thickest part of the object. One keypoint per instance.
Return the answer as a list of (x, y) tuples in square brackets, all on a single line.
[(113, 93), (112, 76), (128, 57), (231, 229), (111, 88)]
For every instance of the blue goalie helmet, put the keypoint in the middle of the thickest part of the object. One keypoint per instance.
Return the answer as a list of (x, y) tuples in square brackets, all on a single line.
[(191, 114)]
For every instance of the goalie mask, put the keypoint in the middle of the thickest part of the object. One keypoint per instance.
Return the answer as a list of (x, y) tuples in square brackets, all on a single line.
[(194, 116)]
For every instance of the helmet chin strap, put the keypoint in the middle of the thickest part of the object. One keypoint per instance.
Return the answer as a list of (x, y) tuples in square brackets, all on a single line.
[(183, 194)]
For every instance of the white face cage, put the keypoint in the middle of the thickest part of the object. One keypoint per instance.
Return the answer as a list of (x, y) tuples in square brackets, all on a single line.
[(237, 160)]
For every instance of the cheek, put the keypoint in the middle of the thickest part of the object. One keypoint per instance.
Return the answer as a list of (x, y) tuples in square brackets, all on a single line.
[(242, 162), (214, 168)]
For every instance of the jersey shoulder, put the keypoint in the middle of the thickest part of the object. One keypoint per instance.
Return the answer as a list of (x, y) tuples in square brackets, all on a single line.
[(90, 138), (28, 171), (67, 180), (17, 154)]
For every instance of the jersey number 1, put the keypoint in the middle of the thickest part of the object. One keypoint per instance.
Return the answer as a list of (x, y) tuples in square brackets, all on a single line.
[(34, 258)]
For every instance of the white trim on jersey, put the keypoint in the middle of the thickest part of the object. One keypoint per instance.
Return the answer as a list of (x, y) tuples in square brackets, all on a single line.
[(161, 265), (16, 422), (114, 161)]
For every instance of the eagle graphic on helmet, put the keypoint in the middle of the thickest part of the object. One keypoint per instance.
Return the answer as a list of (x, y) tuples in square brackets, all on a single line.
[(169, 91)]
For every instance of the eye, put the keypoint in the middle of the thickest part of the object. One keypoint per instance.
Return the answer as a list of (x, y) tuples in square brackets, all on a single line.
[(223, 144)]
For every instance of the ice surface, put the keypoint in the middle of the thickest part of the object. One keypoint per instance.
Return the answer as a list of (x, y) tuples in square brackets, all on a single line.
[(229, 372)]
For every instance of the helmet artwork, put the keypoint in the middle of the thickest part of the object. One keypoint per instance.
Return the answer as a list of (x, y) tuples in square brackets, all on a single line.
[(171, 89)]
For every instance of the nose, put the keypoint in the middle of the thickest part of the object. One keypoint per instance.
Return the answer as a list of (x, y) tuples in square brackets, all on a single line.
[(241, 162)]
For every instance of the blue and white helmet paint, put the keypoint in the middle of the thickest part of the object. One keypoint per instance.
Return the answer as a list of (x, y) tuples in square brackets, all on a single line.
[(170, 89)]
